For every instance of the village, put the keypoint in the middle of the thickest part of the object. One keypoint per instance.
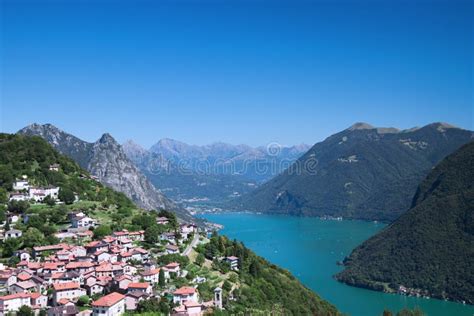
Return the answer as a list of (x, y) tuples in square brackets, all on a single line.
[(113, 275)]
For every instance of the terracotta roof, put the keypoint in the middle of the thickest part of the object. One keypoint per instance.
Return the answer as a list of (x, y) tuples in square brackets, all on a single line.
[(123, 277), (52, 247), (140, 250), (25, 284), (66, 286), (14, 296), (23, 276), (34, 265), (35, 295), (172, 265), (57, 275), (139, 285), (150, 272), (191, 304), (108, 239), (80, 264), (64, 301), (185, 290), (109, 300), (52, 265), (104, 268), (122, 233)]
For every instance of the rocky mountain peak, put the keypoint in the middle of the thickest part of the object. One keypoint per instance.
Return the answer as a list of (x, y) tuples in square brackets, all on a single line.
[(107, 160), (106, 138)]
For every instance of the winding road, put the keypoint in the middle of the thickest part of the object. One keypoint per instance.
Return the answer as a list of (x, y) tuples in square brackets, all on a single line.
[(191, 245)]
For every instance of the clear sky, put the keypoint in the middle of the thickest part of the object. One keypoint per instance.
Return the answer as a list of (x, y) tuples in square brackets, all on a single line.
[(235, 71)]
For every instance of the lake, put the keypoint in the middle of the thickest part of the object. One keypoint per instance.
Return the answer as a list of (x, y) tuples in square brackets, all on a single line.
[(310, 248)]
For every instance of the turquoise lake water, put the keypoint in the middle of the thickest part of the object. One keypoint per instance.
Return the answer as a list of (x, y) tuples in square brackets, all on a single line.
[(310, 248)]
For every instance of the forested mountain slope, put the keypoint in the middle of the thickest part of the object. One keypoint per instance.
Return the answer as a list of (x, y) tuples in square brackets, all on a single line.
[(431, 246)]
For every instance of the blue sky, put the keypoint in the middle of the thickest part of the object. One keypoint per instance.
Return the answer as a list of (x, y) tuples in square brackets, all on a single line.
[(235, 71)]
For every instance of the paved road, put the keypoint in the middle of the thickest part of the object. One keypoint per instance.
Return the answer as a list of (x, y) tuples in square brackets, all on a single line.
[(191, 245)]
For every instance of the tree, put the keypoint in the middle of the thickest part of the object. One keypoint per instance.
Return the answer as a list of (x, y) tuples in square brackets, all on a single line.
[(6, 227), (3, 214), (200, 259), (10, 245), (83, 300), (152, 234), (102, 231), (33, 237), (18, 206), (161, 278), (3, 195), (25, 311), (49, 201), (150, 305), (254, 268), (66, 195), (227, 286), (144, 220)]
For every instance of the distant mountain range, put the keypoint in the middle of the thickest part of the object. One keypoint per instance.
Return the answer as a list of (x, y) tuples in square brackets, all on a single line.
[(429, 250), (362, 172), (106, 160), (215, 172)]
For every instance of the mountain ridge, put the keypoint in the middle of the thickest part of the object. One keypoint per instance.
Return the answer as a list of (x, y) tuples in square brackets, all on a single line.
[(106, 159), (360, 172)]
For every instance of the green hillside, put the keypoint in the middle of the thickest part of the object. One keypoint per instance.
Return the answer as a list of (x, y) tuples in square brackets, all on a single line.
[(32, 156), (261, 286), (22, 156), (429, 249), (362, 173)]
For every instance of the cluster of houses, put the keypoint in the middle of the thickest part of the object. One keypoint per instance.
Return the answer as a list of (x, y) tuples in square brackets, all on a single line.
[(23, 191), (115, 270)]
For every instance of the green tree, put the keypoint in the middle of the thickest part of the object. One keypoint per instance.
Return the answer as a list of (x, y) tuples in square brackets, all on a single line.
[(25, 311), (66, 195), (150, 305), (49, 201), (161, 278), (200, 259), (18, 206), (83, 300), (254, 268), (226, 286), (3, 195), (152, 234), (10, 245), (3, 214), (102, 231), (32, 237)]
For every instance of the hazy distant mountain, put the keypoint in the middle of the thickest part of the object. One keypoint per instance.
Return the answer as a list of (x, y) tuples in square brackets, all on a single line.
[(362, 172), (256, 164), (216, 172), (106, 160), (431, 246)]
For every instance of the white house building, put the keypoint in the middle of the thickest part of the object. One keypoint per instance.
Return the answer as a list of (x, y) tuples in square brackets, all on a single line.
[(82, 222), (185, 293), (67, 290), (13, 233), (13, 302), (112, 304), (20, 185)]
